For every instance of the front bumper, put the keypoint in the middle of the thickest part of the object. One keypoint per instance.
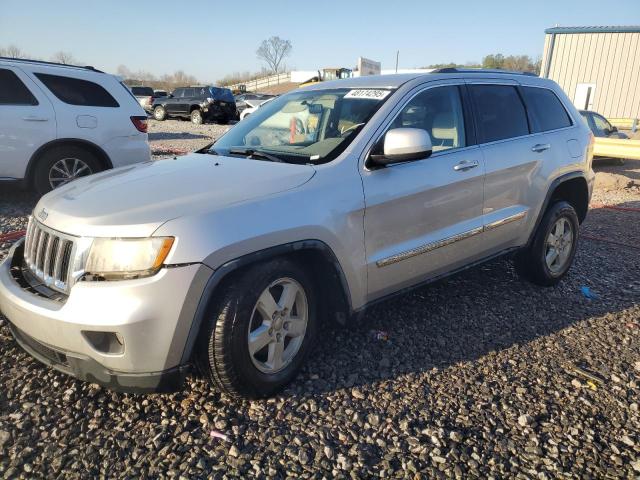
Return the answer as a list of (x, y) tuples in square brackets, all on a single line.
[(146, 313)]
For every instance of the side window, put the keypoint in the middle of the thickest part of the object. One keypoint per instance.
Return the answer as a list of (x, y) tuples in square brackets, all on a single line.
[(602, 124), (178, 92), (189, 92), (438, 111), (13, 91), (547, 112), (77, 92), (500, 111)]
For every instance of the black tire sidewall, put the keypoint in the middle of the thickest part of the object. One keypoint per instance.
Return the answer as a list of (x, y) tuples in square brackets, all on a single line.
[(555, 212), (240, 303), (49, 158)]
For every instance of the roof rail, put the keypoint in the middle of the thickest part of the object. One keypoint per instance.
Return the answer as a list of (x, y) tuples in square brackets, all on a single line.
[(43, 62), (482, 70)]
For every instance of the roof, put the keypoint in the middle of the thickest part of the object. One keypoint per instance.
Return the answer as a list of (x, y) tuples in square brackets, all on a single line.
[(595, 29), (53, 64), (397, 80)]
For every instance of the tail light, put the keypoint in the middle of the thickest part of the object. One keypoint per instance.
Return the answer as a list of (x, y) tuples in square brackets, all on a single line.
[(140, 123), (150, 99), (592, 141)]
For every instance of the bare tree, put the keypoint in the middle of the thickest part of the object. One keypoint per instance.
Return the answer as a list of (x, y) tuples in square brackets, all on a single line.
[(14, 52), (272, 51), (65, 58)]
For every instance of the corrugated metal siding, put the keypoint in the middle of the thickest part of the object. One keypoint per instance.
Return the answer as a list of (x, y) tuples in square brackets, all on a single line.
[(610, 60)]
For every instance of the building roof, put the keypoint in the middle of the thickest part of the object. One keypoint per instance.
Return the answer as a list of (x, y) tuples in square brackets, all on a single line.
[(595, 29)]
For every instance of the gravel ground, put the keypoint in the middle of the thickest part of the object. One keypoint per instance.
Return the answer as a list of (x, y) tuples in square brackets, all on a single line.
[(172, 136), (479, 376)]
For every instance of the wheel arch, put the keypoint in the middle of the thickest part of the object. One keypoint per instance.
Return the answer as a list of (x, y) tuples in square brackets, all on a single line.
[(571, 187), (323, 262), (61, 142)]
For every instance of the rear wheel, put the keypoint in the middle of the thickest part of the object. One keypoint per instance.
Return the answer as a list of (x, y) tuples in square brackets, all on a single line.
[(260, 330), (196, 117), (159, 113), (551, 253), (62, 165)]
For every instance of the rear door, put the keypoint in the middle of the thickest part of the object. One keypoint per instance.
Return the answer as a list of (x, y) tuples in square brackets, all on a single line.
[(513, 158), (424, 217), (27, 121), (173, 104)]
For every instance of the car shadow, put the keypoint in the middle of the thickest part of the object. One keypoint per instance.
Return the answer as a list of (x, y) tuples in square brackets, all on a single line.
[(630, 168)]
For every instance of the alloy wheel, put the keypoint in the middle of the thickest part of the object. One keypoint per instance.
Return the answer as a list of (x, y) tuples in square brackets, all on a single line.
[(558, 245), (278, 325), (66, 170)]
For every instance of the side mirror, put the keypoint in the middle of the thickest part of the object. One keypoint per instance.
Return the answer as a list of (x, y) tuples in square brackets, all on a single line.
[(402, 145), (614, 129)]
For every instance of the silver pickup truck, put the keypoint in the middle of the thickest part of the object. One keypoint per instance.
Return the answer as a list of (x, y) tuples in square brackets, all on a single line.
[(323, 202)]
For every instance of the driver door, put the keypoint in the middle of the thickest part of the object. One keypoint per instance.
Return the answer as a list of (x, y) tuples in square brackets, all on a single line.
[(424, 217)]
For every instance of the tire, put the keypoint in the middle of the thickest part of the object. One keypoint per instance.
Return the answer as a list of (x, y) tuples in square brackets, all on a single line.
[(196, 117), (159, 113), (532, 262), (51, 167), (223, 354)]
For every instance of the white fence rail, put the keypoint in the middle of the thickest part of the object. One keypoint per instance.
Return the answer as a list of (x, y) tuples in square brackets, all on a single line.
[(264, 82)]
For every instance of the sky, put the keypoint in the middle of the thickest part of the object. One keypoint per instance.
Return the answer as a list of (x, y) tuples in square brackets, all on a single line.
[(210, 39)]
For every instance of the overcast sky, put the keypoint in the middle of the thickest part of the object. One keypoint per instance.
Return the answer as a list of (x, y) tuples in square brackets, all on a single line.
[(211, 39)]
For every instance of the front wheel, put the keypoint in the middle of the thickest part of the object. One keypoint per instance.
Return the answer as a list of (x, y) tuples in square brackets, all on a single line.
[(259, 330), (196, 117), (159, 113), (548, 259)]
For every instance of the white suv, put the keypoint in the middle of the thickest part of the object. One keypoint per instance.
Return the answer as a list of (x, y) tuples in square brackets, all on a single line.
[(60, 122)]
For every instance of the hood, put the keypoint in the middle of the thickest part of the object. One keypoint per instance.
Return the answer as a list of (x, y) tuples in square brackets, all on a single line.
[(134, 201)]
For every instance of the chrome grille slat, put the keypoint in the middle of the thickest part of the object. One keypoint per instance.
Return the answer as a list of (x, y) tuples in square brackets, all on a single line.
[(48, 255)]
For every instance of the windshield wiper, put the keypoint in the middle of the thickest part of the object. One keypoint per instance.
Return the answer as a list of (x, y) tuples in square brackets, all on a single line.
[(253, 153)]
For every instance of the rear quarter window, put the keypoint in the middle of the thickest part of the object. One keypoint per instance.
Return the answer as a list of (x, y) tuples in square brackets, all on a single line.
[(500, 111), (13, 91), (545, 109), (75, 91)]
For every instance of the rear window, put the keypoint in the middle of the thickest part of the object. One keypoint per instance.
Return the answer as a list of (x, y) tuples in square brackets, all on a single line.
[(223, 94), (77, 92), (546, 110), (142, 91), (500, 111), (13, 91)]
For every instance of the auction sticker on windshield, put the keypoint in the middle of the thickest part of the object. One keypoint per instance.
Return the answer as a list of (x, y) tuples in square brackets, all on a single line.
[(368, 93)]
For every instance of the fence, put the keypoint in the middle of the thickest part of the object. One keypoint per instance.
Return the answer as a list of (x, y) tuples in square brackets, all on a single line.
[(264, 82)]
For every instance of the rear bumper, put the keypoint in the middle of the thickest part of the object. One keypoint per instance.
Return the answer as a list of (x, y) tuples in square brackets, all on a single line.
[(89, 370)]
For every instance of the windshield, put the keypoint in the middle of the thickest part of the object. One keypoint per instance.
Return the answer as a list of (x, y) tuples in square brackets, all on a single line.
[(223, 94), (304, 126), (142, 91)]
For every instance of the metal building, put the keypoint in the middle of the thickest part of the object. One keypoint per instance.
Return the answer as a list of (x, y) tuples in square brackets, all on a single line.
[(598, 67)]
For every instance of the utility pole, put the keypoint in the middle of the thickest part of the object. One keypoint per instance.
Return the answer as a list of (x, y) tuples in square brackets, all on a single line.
[(397, 55)]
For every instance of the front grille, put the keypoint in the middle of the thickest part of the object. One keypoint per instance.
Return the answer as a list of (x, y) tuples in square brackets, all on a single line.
[(48, 255)]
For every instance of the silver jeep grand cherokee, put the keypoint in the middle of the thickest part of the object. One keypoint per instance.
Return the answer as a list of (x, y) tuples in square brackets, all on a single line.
[(321, 203)]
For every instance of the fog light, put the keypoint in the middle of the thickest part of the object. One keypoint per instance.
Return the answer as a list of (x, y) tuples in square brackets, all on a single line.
[(110, 343)]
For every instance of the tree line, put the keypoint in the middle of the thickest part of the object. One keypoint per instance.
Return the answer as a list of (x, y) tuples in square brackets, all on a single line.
[(519, 63)]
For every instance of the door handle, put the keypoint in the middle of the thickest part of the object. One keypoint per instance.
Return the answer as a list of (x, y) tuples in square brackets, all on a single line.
[(540, 147), (465, 165), (35, 119)]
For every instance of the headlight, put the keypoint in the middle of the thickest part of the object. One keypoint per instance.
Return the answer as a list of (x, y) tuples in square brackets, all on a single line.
[(118, 259)]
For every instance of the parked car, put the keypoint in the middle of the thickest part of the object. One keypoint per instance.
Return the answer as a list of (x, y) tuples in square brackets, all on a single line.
[(600, 126), (60, 122), (200, 104), (322, 203), (145, 96), (252, 105), (242, 101)]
